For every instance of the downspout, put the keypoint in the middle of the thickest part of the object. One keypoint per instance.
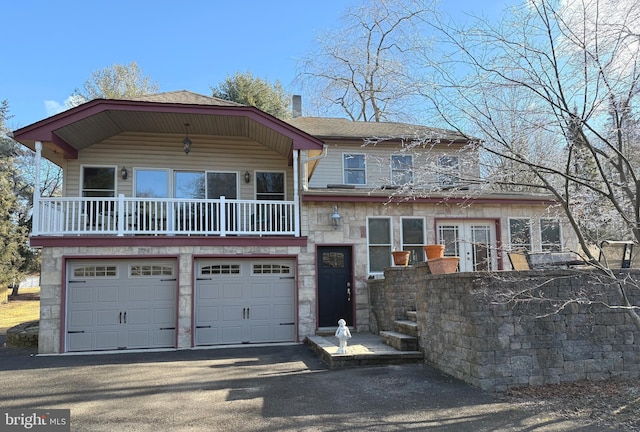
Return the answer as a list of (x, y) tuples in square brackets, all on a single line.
[(35, 213)]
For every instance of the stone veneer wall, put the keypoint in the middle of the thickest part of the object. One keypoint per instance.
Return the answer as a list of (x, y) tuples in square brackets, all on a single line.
[(498, 346)]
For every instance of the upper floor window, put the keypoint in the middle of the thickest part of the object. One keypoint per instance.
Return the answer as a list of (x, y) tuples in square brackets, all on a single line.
[(354, 169), (401, 169), (270, 186), (550, 239), (98, 181), (520, 234), (449, 170)]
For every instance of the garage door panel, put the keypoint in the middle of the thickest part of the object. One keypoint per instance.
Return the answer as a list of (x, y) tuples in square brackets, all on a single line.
[(106, 317), (163, 316), (78, 341), (252, 300), (139, 293), (80, 319), (261, 290), (138, 317), (232, 291), (106, 340), (138, 339), (108, 294), (79, 295)]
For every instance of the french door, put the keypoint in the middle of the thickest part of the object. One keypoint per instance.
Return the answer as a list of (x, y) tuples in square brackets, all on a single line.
[(473, 241)]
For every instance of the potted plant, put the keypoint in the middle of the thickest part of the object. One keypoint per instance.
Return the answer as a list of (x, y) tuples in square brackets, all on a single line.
[(433, 251), (401, 258)]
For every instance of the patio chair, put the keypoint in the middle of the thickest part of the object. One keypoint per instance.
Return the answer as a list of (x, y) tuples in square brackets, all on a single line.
[(519, 260), (615, 254)]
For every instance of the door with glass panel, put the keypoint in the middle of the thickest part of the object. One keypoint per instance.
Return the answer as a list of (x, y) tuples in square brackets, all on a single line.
[(473, 241)]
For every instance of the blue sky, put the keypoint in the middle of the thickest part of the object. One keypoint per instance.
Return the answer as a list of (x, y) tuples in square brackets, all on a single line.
[(52, 47)]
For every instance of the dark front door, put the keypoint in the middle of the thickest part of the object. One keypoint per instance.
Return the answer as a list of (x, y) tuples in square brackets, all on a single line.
[(335, 291)]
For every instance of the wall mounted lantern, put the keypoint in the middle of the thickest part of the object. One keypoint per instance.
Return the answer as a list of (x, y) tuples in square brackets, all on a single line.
[(124, 173), (335, 218), (247, 176), (186, 142)]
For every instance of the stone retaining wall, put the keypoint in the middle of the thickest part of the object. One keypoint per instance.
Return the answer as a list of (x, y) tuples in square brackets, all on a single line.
[(23, 335), (464, 332)]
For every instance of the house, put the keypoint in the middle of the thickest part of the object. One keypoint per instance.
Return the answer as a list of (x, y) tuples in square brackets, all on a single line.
[(189, 221)]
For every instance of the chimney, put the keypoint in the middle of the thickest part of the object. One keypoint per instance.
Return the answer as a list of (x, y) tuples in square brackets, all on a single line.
[(296, 102)]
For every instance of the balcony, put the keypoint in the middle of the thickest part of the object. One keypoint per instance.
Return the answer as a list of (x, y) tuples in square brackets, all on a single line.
[(122, 216)]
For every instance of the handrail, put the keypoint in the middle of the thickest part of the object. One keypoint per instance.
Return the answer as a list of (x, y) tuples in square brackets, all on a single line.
[(122, 216)]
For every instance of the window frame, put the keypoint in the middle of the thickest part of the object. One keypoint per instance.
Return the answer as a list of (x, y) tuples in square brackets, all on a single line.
[(388, 245), (417, 249), (405, 171), (515, 247), (284, 186), (450, 178), (363, 169), (544, 247), (82, 179)]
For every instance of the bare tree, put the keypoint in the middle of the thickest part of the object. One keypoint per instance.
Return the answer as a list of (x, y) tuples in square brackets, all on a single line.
[(364, 66), (114, 82), (574, 67)]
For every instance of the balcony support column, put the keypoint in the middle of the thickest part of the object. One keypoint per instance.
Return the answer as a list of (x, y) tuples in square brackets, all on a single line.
[(296, 194), (35, 214)]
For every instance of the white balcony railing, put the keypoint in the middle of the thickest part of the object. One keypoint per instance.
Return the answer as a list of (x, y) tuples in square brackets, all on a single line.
[(163, 216)]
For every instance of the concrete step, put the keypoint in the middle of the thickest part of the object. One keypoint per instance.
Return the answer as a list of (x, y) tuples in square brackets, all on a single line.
[(412, 315), (407, 327), (363, 349), (399, 341)]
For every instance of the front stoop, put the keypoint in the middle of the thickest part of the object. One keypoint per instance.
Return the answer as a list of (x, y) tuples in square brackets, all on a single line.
[(362, 350), (407, 327)]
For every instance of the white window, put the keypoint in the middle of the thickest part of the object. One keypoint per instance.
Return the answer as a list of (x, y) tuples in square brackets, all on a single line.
[(401, 169), (412, 238), (379, 243), (520, 234), (98, 181), (448, 170), (354, 169), (550, 239), (270, 186)]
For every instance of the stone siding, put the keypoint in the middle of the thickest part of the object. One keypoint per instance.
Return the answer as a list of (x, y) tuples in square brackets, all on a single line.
[(464, 332)]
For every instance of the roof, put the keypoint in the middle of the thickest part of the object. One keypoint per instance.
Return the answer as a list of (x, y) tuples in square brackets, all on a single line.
[(185, 97), (340, 128)]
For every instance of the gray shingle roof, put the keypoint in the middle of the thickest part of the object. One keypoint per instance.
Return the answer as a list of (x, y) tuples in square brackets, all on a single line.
[(322, 127), (184, 97)]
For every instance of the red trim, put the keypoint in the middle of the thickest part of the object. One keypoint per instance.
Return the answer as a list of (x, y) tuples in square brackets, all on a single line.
[(153, 241), (63, 284), (429, 200)]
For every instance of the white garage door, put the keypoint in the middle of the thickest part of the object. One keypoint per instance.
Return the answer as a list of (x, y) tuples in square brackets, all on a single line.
[(121, 305), (250, 301)]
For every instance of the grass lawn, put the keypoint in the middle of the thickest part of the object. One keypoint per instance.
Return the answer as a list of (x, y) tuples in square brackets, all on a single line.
[(26, 307)]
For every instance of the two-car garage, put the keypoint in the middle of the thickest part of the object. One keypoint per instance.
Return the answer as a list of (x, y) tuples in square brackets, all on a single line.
[(133, 303)]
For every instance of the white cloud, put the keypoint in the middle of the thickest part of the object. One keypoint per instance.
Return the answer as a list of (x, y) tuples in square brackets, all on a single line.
[(54, 107)]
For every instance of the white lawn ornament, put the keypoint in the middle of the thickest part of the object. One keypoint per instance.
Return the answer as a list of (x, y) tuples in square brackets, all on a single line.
[(343, 334)]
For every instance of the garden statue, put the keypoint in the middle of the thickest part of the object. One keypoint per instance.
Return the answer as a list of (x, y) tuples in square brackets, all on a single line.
[(343, 334)]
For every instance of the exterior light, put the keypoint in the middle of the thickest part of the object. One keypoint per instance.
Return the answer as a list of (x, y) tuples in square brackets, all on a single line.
[(186, 142), (335, 218), (247, 176), (124, 173)]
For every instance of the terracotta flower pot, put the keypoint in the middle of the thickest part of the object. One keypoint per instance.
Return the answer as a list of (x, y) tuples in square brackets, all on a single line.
[(443, 265), (434, 251), (401, 258)]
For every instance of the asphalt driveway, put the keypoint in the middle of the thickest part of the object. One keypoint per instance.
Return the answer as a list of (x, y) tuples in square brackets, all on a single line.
[(277, 388)]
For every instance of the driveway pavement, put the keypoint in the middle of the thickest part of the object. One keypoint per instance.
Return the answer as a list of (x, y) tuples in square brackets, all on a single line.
[(276, 388)]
